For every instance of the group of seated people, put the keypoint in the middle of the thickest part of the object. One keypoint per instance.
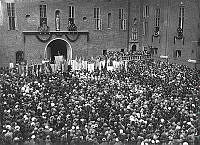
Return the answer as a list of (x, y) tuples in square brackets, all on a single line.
[(118, 55), (150, 103)]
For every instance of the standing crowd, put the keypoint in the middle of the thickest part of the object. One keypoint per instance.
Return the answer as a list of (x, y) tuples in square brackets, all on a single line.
[(149, 103)]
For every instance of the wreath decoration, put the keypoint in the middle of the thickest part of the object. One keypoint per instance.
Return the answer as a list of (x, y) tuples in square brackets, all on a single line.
[(44, 35), (180, 35), (156, 33)]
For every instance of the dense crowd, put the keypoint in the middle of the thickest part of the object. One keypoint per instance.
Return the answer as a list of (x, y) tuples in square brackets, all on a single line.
[(151, 102)]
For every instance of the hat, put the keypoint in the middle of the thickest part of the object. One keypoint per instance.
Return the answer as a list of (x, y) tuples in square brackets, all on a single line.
[(17, 128), (8, 127), (33, 136), (32, 123), (162, 120), (16, 139), (185, 143)]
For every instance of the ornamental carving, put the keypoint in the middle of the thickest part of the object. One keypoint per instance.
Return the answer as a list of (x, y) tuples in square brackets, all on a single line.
[(44, 35), (71, 26), (156, 33), (179, 35)]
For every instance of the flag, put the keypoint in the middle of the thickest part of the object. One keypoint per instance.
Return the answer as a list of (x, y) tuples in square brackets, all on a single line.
[(19, 69), (74, 65), (76, 59), (97, 63), (102, 63), (85, 65), (116, 64), (91, 67), (79, 63), (38, 69), (49, 67), (29, 70), (52, 68), (35, 69), (32, 71)]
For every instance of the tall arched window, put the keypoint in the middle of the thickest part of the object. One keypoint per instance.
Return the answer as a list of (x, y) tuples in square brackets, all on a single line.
[(19, 56), (181, 15), (57, 20), (43, 15), (157, 21)]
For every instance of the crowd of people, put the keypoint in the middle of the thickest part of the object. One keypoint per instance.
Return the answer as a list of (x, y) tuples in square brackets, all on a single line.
[(149, 103)]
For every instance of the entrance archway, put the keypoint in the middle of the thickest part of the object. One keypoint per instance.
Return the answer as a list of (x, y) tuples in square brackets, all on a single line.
[(133, 48), (57, 47)]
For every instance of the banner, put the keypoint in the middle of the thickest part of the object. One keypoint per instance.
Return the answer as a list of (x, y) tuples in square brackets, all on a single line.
[(59, 59), (91, 67), (84, 65), (102, 63), (74, 65)]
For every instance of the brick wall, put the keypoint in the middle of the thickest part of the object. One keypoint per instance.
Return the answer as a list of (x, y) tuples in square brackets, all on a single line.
[(190, 49), (112, 39)]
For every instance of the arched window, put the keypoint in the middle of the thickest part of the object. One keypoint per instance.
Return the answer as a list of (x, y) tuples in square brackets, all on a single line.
[(43, 15), (19, 56), (181, 15), (157, 21), (57, 20)]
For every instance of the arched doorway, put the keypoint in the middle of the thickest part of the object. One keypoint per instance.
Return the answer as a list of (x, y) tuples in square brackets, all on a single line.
[(57, 47), (133, 48)]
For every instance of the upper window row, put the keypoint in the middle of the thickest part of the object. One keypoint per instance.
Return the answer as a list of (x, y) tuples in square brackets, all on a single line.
[(157, 18), (43, 17)]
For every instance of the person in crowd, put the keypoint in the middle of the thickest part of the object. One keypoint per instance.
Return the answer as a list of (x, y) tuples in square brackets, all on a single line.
[(151, 102)]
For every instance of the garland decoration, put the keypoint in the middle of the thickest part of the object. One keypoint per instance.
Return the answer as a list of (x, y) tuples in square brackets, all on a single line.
[(72, 36), (44, 35)]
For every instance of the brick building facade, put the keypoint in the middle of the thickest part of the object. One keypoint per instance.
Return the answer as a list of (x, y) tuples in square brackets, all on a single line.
[(170, 17), (101, 24)]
